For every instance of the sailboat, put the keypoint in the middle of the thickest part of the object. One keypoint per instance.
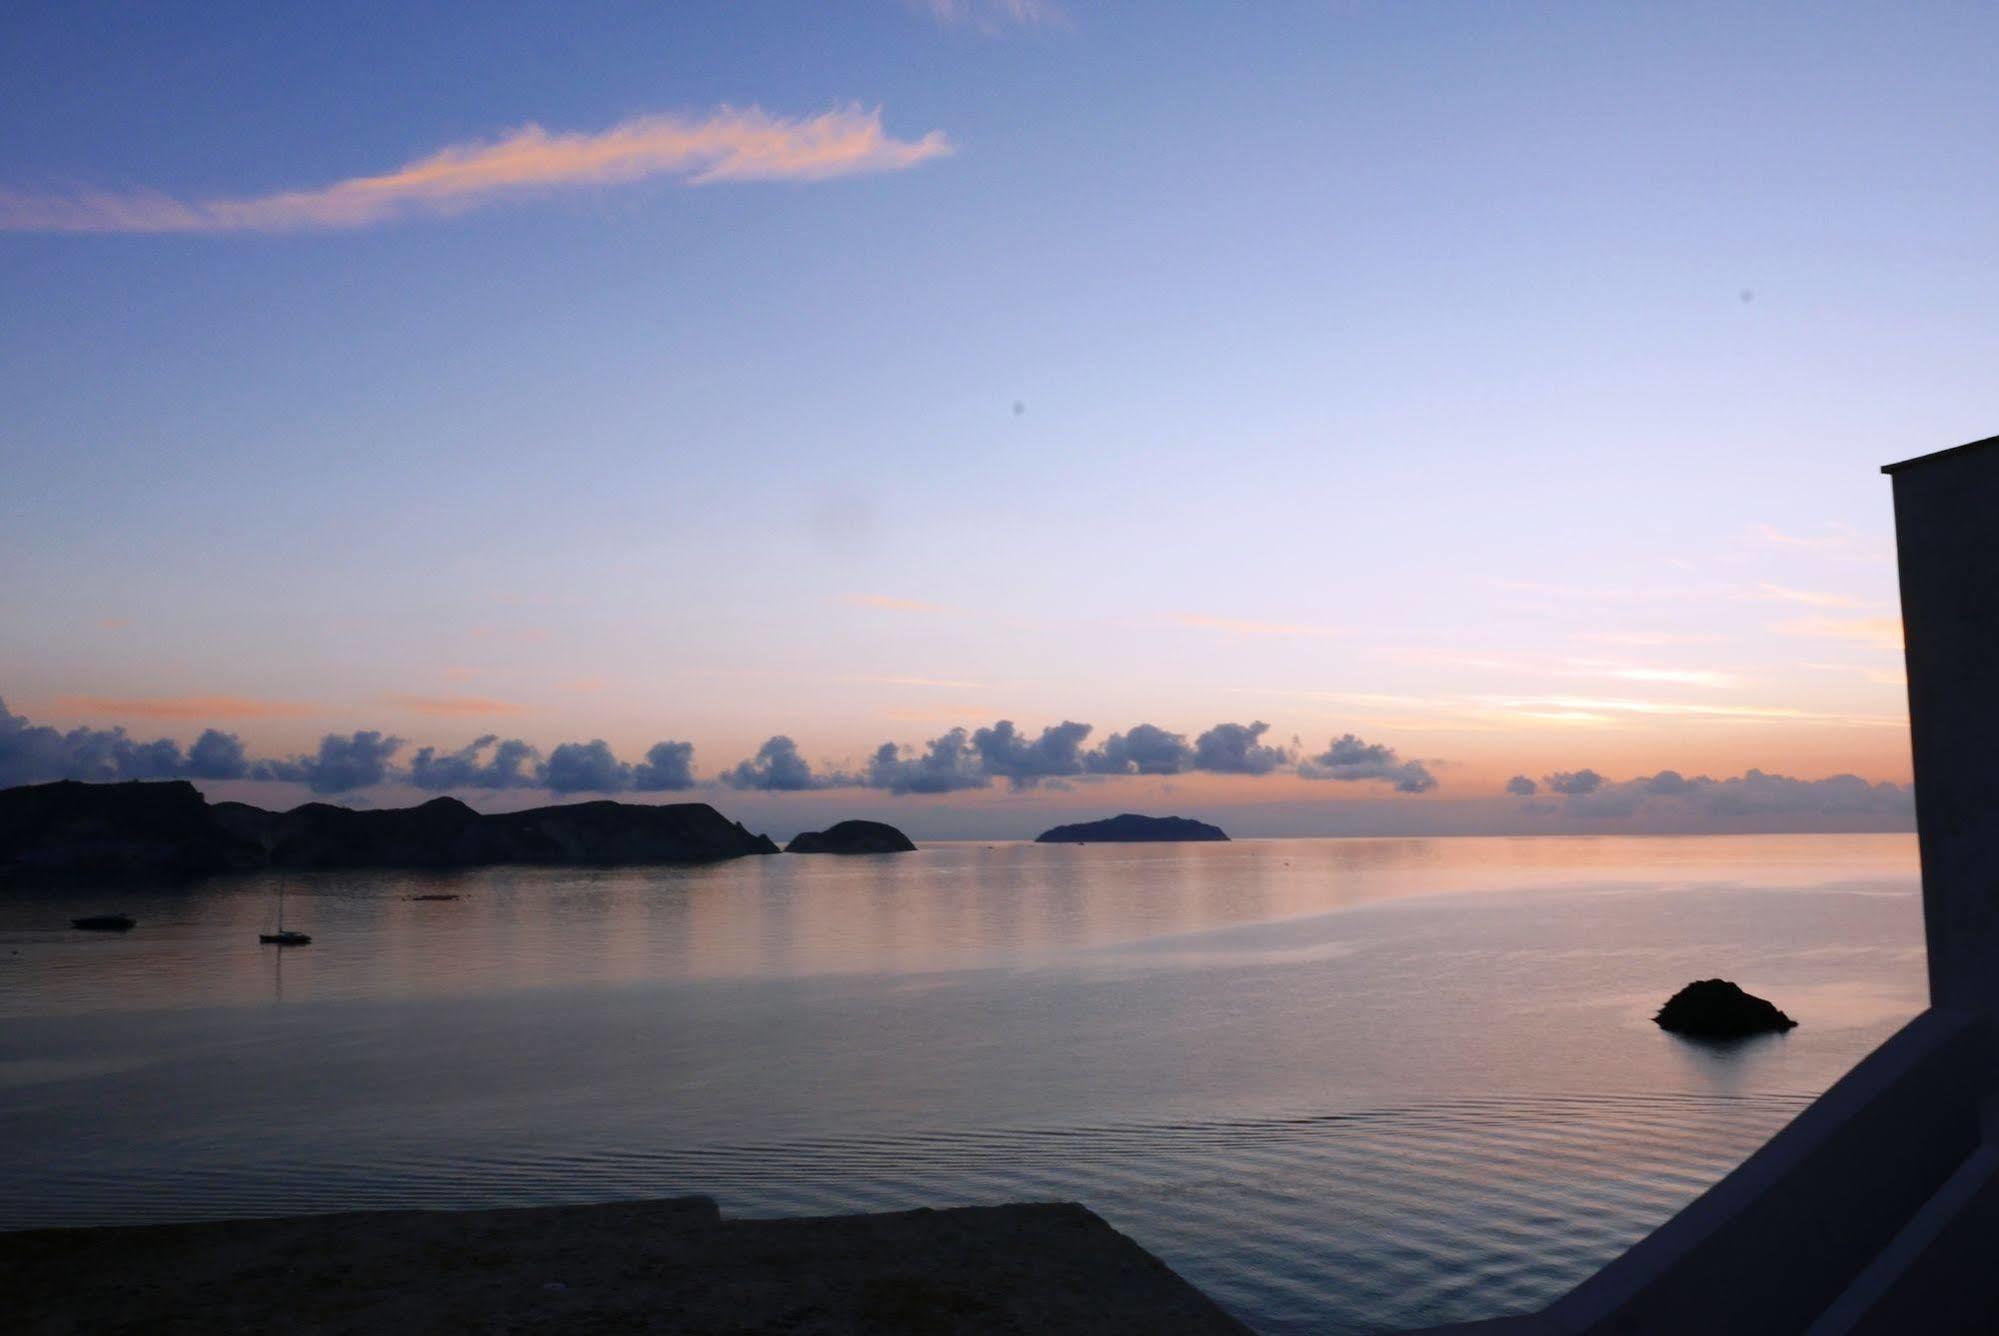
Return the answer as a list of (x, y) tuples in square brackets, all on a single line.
[(282, 937)]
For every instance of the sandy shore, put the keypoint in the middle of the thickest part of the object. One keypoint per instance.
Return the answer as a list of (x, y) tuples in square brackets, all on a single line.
[(654, 1266)]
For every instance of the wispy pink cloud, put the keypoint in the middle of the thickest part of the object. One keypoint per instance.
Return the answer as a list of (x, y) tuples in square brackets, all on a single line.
[(727, 144), (1809, 597), (452, 706), (1879, 632), (185, 707)]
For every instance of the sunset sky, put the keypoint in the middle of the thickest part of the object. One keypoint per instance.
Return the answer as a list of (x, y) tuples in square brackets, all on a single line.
[(1500, 388)]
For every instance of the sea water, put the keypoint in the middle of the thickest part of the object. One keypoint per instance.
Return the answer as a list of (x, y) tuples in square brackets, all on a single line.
[(1341, 1085)]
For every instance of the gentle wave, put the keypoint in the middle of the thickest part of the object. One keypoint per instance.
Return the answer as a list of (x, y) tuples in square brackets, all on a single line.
[(1321, 1221)]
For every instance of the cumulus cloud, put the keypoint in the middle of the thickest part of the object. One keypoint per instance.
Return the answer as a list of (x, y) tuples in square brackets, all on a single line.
[(1522, 787), (726, 144), (1751, 794), (585, 767), (1234, 749), (509, 764), (1350, 759), (668, 765), (1007, 753), (572, 767), (216, 755), (946, 764), (36, 753), (778, 767), (358, 760), (1574, 783), (1144, 750)]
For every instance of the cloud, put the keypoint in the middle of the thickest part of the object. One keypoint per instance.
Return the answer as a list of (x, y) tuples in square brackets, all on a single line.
[(585, 767), (36, 753), (1689, 677), (1574, 783), (454, 706), (726, 144), (216, 755), (1811, 598), (1232, 626), (573, 767), (947, 764), (1233, 749), (511, 765), (1522, 787), (186, 707), (1006, 753), (358, 760), (1145, 750), (990, 16), (1753, 793), (777, 767), (1646, 639), (1600, 709), (1839, 541), (668, 765), (1350, 759), (1878, 632)]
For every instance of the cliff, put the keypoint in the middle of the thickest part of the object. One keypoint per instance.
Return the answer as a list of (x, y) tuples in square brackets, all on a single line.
[(852, 837), (1131, 829), (72, 829), (169, 829)]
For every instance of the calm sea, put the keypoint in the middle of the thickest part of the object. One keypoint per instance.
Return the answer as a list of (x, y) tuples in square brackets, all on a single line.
[(1341, 1085)]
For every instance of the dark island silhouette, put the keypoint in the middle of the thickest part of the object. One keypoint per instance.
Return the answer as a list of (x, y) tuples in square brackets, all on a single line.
[(852, 837), (1718, 1009), (70, 829), (1132, 829)]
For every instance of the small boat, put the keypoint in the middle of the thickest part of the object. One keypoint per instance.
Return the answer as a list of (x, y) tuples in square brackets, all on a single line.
[(283, 937), (430, 897), (105, 923)]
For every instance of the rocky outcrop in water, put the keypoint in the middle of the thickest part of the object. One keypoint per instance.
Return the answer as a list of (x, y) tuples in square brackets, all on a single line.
[(70, 829), (1718, 1009), (1131, 829), (852, 837)]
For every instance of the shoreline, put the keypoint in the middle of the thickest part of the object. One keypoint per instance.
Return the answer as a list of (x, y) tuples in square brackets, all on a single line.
[(668, 1265)]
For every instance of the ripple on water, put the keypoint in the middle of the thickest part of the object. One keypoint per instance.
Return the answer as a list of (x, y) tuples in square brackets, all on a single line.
[(1350, 1221)]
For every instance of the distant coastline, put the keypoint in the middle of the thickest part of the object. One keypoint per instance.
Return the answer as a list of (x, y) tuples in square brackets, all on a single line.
[(70, 829)]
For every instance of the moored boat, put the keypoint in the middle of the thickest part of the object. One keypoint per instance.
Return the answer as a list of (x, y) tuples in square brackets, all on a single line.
[(283, 936)]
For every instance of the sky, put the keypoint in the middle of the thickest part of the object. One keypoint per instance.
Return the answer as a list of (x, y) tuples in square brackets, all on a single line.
[(1331, 418)]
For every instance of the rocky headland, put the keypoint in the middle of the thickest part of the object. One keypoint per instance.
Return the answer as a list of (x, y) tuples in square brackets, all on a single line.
[(75, 830)]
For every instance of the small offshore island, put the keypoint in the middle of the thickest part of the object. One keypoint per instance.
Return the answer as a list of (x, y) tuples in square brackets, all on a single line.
[(852, 837), (1131, 828)]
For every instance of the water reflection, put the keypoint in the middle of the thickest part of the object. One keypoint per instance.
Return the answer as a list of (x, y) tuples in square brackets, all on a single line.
[(1328, 1080)]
